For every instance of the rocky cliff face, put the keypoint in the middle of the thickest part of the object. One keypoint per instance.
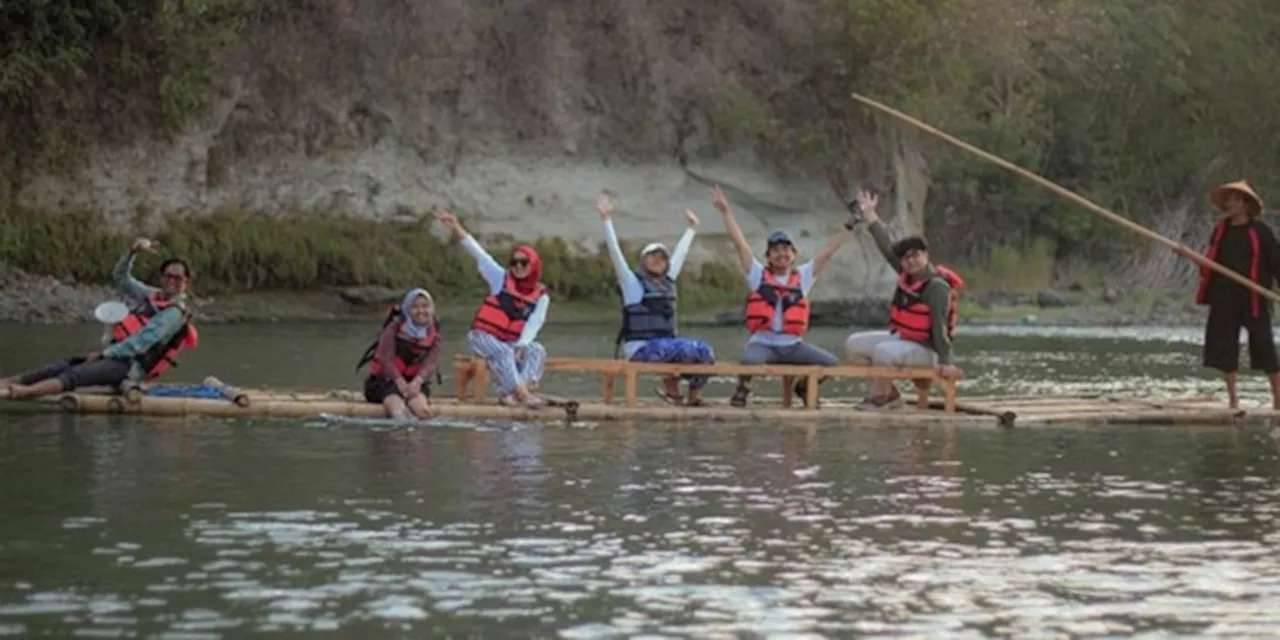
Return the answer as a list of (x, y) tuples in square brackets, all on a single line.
[(515, 115)]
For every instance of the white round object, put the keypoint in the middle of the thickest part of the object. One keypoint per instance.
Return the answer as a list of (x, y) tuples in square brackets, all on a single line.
[(111, 312)]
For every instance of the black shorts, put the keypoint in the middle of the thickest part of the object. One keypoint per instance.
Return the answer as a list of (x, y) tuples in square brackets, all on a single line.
[(76, 373), (1222, 339), (377, 388)]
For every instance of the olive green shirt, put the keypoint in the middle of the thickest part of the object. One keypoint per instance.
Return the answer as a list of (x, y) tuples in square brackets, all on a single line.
[(936, 294)]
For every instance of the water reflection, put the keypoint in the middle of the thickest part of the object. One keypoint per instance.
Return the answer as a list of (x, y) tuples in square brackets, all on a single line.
[(593, 533)]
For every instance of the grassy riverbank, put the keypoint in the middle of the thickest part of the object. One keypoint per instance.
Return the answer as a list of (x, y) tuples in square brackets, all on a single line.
[(237, 252)]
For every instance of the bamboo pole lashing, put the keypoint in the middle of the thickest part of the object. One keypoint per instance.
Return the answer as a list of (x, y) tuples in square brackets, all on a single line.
[(1115, 218)]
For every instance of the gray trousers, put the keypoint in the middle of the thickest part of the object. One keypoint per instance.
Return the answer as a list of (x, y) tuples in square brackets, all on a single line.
[(884, 349), (801, 353)]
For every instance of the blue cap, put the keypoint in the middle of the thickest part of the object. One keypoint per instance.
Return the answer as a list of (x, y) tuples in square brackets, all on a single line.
[(779, 237)]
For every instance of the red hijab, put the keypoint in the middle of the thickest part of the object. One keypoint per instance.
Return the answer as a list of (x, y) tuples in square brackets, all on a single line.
[(529, 283)]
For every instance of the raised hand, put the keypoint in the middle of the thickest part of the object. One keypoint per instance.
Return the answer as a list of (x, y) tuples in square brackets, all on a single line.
[(604, 204), (867, 202), (719, 200), (450, 222), (691, 218), (143, 244)]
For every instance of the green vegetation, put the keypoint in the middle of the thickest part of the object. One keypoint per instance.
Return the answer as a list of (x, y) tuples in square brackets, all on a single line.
[(238, 252), (1140, 105)]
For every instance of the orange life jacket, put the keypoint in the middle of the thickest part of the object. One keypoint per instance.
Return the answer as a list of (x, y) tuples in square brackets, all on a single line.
[(159, 358), (762, 305), (909, 315), (504, 314)]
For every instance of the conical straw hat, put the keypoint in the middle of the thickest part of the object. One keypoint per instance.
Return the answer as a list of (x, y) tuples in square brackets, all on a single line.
[(1219, 196)]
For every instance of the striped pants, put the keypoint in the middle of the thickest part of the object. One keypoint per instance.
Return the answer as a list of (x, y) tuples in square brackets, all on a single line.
[(508, 366)]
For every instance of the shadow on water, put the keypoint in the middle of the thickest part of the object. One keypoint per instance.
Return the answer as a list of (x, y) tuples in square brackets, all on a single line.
[(126, 527)]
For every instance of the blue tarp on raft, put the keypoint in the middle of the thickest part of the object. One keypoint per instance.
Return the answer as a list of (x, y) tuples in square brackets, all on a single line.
[(185, 391)]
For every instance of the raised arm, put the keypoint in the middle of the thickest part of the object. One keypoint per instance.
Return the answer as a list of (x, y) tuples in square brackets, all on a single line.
[(828, 251), (534, 324), (879, 231), (628, 283), (493, 273), (122, 273), (721, 203), (681, 252)]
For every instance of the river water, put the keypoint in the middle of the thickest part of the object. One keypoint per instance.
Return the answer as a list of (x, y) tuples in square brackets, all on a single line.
[(139, 527)]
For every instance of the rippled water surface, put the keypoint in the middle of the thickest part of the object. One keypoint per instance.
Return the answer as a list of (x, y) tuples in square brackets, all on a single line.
[(122, 527)]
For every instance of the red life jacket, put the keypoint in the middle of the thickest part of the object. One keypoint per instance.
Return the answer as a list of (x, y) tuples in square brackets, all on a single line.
[(411, 353), (909, 315), (503, 315), (762, 305), (1202, 292), (159, 358)]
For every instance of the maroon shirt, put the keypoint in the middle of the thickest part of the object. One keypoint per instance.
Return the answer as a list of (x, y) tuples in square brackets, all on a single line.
[(385, 355)]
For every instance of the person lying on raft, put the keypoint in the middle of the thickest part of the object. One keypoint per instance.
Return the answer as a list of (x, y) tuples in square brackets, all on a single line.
[(922, 315), (143, 345), (777, 310), (509, 319), (1243, 243), (648, 331), (404, 358)]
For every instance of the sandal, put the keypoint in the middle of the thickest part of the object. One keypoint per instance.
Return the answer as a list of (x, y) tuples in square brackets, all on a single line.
[(739, 398), (509, 400), (534, 402), (673, 400)]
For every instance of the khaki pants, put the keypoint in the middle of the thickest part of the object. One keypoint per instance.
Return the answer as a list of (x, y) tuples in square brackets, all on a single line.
[(884, 349)]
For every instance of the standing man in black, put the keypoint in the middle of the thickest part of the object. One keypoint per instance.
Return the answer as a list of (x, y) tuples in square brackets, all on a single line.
[(1243, 243)]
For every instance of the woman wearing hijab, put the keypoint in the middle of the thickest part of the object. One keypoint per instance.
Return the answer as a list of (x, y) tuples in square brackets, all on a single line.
[(648, 331), (403, 360), (1245, 244), (509, 319)]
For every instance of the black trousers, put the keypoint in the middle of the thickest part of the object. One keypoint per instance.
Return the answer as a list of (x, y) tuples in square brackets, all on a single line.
[(377, 388), (1222, 337), (76, 372)]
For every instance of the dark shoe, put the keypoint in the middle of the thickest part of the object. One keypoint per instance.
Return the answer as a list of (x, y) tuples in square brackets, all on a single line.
[(739, 398)]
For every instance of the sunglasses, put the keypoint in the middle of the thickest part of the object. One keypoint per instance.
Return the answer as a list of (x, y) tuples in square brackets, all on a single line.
[(173, 276), (519, 262)]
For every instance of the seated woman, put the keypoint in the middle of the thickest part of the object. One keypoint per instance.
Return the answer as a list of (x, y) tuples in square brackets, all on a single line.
[(143, 345), (648, 331), (404, 358), (509, 319)]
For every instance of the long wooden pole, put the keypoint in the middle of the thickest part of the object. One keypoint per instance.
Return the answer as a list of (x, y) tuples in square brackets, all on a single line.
[(1116, 218)]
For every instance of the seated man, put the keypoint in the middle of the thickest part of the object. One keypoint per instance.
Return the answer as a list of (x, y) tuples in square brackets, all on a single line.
[(777, 310), (922, 315), (143, 345), (648, 294)]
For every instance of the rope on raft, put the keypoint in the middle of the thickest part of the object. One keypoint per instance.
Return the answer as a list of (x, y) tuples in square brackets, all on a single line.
[(185, 391)]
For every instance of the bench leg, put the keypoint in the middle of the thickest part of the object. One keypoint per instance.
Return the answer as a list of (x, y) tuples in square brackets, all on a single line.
[(949, 393), (922, 393), (482, 381), (811, 391), (787, 383), (462, 374), (608, 388), (629, 384)]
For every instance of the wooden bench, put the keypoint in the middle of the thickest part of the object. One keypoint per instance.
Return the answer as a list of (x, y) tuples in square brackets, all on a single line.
[(471, 369)]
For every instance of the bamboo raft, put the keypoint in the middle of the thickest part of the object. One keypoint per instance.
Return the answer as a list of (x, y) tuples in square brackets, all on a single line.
[(994, 411)]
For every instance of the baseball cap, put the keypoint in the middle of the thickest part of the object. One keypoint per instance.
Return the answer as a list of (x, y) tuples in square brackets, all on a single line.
[(779, 237)]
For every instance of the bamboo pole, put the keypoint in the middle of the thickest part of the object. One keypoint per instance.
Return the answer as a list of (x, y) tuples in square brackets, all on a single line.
[(227, 391), (1181, 249), (284, 408)]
